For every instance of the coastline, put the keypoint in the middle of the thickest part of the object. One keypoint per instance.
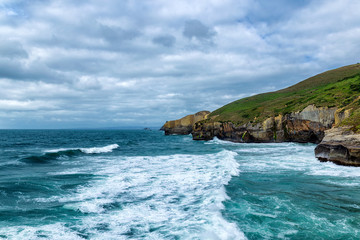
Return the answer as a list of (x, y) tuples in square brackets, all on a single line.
[(336, 144)]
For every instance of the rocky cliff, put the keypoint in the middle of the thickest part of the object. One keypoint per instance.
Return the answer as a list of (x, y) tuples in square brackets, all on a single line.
[(323, 109), (340, 145), (307, 125), (183, 126)]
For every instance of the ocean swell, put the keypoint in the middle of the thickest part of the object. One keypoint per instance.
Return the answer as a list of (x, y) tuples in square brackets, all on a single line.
[(54, 154), (93, 150)]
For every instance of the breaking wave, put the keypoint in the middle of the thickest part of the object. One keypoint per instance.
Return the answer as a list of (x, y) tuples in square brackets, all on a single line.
[(61, 153)]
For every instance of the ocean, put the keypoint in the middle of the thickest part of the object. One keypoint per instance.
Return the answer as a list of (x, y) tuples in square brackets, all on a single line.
[(140, 184)]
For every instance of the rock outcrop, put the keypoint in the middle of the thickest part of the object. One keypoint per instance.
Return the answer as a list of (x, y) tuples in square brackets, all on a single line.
[(340, 145), (184, 125), (305, 126), (316, 125)]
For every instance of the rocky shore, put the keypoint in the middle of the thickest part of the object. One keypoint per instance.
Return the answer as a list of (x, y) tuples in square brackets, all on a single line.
[(313, 124), (340, 145)]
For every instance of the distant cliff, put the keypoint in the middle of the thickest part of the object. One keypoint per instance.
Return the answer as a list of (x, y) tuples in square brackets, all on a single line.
[(184, 125), (324, 109)]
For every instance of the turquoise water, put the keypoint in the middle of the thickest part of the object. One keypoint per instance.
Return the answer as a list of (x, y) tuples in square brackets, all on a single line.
[(92, 184)]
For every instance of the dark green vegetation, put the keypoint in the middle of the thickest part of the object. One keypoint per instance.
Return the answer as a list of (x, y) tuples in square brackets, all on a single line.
[(335, 88)]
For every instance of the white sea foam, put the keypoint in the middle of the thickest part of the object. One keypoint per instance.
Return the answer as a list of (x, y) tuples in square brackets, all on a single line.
[(106, 149), (179, 194), (52, 231), (282, 157), (221, 142), (331, 169)]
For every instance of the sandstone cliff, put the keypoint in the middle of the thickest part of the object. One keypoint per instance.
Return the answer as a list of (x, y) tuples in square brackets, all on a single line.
[(304, 112), (307, 125), (183, 126), (340, 145)]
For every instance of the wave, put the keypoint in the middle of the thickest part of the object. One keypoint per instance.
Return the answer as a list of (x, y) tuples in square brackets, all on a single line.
[(221, 142), (54, 154), (93, 150), (173, 192)]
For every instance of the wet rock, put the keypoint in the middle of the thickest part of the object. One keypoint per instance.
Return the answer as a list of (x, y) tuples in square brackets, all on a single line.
[(340, 145)]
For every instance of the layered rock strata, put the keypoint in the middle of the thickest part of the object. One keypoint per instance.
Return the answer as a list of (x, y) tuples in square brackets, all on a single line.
[(340, 145), (307, 125), (183, 126), (316, 125)]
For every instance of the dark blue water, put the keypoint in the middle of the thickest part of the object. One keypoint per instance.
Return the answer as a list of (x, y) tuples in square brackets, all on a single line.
[(93, 184)]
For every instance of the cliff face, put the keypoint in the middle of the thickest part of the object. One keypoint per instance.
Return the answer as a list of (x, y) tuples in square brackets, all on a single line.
[(183, 126), (305, 126), (340, 145), (304, 112)]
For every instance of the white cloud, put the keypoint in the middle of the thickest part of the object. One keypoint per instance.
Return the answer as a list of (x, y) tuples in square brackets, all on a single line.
[(132, 62), (15, 105)]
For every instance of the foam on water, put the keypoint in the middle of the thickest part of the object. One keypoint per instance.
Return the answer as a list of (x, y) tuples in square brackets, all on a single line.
[(160, 187), (221, 142), (174, 193), (106, 149), (155, 197), (284, 184), (53, 231), (331, 169)]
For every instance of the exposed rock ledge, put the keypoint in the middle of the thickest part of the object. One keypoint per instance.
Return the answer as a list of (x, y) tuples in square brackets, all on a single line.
[(341, 146), (305, 126), (315, 125), (184, 125)]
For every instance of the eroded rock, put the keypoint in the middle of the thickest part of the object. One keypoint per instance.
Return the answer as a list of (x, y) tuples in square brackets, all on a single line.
[(288, 128), (340, 145), (183, 126)]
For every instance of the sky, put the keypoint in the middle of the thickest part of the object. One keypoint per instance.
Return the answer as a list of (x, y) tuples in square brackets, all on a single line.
[(124, 63)]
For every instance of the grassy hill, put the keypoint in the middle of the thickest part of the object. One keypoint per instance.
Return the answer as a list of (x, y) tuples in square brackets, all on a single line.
[(335, 88)]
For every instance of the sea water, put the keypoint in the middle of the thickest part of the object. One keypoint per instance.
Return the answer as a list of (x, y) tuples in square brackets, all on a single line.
[(138, 184)]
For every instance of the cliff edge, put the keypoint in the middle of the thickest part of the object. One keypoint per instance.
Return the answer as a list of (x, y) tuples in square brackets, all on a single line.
[(340, 145), (324, 109), (183, 126), (307, 125)]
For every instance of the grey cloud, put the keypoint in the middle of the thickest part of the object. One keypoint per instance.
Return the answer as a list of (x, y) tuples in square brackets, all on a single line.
[(165, 40), (78, 64), (34, 71), (196, 29), (116, 34), (101, 62), (12, 49)]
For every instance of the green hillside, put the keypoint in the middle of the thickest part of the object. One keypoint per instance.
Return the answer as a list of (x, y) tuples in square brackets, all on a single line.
[(339, 87)]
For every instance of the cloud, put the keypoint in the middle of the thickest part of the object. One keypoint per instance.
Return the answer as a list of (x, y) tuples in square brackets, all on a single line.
[(12, 49), (165, 40), (23, 105), (120, 63), (116, 35), (196, 29)]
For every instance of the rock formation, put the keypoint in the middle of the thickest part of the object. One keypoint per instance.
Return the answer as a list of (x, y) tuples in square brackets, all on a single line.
[(305, 126), (322, 109), (316, 125), (183, 126), (340, 145)]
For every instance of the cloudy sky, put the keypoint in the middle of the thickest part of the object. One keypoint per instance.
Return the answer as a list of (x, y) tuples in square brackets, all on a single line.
[(118, 63)]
